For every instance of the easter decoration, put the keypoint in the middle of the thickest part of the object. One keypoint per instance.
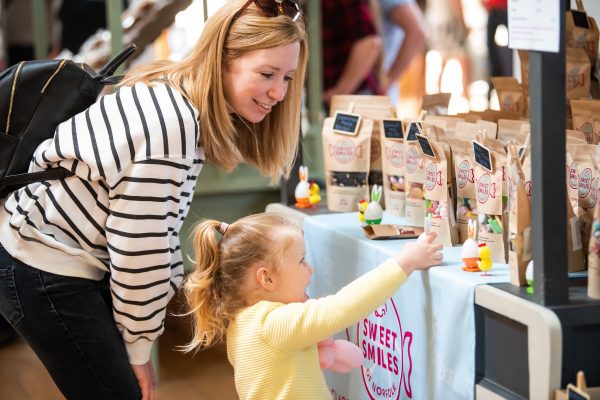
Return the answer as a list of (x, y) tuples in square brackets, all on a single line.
[(339, 355), (485, 259), (374, 212), (362, 207), (529, 277), (302, 192), (469, 253), (314, 198)]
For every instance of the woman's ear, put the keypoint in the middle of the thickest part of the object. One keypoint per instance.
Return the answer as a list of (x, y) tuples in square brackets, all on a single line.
[(264, 278)]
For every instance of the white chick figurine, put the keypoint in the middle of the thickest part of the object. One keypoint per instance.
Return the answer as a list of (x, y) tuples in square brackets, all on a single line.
[(302, 192), (374, 212), (469, 253)]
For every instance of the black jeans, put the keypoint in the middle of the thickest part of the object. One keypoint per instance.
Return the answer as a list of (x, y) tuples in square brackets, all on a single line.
[(68, 323)]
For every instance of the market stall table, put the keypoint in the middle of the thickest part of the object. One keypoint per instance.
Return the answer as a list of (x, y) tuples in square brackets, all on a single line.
[(420, 344)]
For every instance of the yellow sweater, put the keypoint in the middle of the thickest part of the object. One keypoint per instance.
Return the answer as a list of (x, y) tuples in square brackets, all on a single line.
[(273, 346)]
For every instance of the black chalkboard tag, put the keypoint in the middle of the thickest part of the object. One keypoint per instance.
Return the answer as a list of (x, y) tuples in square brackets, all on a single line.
[(346, 123), (580, 19), (426, 147), (521, 151), (574, 393), (414, 129), (483, 156), (392, 129)]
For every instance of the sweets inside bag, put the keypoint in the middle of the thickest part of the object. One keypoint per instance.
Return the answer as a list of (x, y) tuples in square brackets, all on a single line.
[(466, 204)]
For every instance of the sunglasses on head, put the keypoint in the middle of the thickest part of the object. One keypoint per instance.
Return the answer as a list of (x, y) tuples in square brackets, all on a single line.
[(274, 8)]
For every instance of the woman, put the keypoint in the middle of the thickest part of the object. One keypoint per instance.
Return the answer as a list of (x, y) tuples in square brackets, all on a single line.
[(88, 263)]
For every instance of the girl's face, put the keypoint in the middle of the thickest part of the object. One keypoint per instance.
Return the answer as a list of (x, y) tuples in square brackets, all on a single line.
[(293, 278), (257, 81)]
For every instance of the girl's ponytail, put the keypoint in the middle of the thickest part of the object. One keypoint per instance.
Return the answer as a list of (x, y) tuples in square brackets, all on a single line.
[(203, 288)]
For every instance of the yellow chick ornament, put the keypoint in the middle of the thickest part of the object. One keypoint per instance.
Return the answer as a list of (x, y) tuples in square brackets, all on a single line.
[(485, 259)]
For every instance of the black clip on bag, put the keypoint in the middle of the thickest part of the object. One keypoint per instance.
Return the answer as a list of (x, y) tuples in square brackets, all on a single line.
[(36, 96)]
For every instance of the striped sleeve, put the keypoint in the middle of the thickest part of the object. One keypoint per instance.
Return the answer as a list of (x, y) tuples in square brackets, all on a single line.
[(146, 204)]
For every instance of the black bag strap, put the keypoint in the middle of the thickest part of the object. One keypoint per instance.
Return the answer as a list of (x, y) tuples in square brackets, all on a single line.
[(112, 65), (20, 180)]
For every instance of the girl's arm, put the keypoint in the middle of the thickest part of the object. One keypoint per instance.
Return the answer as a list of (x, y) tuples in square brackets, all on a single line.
[(298, 325)]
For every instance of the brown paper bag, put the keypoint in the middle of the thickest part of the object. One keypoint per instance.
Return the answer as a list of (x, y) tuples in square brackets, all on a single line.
[(414, 178), (491, 205), (587, 188), (519, 221), (347, 160), (510, 130), (436, 104), (510, 94), (578, 73), (466, 204), (393, 173), (447, 123), (594, 256), (579, 35), (439, 203), (586, 118)]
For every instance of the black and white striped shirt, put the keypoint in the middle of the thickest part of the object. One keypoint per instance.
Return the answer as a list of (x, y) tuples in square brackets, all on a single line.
[(135, 155)]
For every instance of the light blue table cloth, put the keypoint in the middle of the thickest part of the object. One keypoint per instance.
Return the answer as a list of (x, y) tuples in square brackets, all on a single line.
[(420, 344)]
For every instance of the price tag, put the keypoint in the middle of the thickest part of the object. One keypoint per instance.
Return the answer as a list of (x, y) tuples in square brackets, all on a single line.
[(392, 129), (580, 19), (483, 156), (426, 147), (346, 123), (414, 129)]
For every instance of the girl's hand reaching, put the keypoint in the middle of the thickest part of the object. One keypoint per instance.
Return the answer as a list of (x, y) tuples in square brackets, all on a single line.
[(421, 254)]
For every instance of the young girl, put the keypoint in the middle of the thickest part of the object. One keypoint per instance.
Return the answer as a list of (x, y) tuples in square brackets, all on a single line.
[(251, 287)]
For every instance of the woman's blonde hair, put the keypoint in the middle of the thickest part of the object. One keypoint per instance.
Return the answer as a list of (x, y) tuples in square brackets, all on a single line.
[(214, 291), (272, 144)]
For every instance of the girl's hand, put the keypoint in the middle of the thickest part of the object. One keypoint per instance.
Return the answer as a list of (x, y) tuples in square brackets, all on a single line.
[(420, 255), (145, 376)]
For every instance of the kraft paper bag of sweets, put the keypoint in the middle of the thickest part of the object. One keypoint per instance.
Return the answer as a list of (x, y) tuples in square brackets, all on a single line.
[(586, 118), (393, 170), (466, 204), (375, 108), (436, 104), (582, 33), (510, 130), (467, 130), (524, 61), (587, 188), (414, 178), (575, 137), (511, 96), (575, 251), (519, 221), (495, 115), (447, 123), (347, 160), (491, 202), (594, 256), (439, 200), (577, 74)]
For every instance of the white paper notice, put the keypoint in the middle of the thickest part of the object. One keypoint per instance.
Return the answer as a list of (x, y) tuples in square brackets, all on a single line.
[(534, 25)]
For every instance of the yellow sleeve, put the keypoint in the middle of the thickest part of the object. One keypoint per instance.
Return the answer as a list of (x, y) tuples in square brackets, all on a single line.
[(297, 325)]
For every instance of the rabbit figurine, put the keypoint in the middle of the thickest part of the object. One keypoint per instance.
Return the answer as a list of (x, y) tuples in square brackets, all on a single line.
[(374, 212), (302, 192)]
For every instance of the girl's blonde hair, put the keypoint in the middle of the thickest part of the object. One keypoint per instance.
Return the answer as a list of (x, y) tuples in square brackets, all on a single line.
[(214, 291), (227, 139)]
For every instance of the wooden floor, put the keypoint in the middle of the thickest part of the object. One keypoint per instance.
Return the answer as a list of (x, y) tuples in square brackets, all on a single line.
[(205, 376)]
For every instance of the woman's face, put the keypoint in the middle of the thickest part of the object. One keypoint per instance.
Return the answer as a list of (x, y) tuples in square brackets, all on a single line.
[(257, 81)]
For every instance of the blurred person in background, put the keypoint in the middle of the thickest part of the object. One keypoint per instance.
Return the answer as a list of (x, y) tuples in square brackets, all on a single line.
[(500, 56), (447, 35), (403, 36), (351, 47)]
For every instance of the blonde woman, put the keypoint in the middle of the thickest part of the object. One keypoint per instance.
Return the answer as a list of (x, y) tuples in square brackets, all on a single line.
[(88, 263)]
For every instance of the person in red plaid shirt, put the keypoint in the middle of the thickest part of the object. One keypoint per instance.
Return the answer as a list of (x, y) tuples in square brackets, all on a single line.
[(351, 47)]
